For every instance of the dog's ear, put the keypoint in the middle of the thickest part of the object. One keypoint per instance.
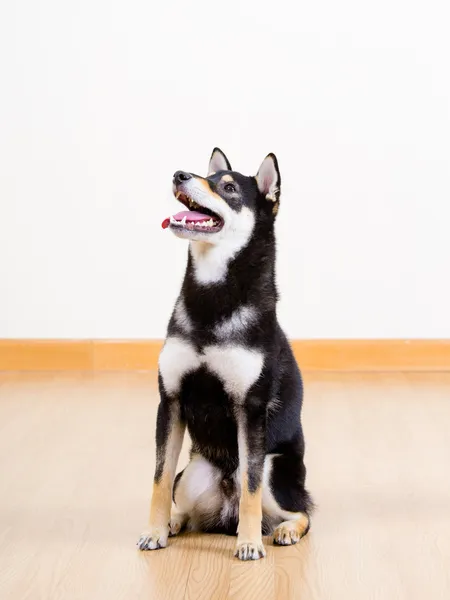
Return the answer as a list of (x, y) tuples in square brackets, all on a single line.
[(268, 178), (218, 162)]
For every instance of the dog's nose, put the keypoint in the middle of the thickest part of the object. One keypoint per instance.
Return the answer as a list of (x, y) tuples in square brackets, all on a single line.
[(181, 176)]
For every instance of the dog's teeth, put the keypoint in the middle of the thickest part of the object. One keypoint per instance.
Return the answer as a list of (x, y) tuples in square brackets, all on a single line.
[(177, 195), (183, 220), (172, 220)]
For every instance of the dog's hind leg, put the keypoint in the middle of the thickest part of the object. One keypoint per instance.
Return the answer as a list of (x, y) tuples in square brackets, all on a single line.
[(178, 519), (197, 500), (286, 503)]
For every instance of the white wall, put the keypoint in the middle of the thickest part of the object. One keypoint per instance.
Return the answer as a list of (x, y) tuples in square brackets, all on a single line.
[(102, 100)]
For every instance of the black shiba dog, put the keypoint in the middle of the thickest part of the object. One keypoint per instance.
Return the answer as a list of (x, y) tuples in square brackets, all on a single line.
[(227, 372)]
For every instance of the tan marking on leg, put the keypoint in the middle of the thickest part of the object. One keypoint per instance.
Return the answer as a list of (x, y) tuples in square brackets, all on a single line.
[(290, 532), (250, 512), (249, 543), (158, 530), (161, 501)]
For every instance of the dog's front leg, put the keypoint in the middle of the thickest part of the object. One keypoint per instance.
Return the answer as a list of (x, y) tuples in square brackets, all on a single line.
[(251, 421), (169, 438)]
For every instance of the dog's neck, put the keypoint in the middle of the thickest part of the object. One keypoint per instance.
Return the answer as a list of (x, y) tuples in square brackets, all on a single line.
[(210, 262), (221, 279)]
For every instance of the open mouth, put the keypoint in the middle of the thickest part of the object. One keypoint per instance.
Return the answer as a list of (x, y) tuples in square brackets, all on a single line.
[(197, 218)]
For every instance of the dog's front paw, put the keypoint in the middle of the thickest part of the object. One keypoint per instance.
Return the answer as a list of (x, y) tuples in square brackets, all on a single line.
[(153, 539), (250, 550)]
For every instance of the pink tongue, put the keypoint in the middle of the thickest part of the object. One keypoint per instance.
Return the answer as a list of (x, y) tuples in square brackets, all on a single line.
[(191, 216)]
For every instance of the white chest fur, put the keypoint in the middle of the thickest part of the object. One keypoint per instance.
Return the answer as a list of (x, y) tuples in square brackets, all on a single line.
[(236, 366)]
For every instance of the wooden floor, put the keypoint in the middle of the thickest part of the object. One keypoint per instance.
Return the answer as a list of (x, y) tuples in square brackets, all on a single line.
[(76, 465)]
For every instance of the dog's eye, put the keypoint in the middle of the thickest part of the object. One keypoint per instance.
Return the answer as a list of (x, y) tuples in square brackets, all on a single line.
[(230, 188)]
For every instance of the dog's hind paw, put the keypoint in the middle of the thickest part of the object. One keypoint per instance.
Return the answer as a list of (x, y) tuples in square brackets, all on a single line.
[(176, 524), (250, 550), (153, 539), (290, 532)]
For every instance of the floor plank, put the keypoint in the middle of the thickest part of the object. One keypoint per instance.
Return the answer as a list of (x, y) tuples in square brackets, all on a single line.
[(76, 463)]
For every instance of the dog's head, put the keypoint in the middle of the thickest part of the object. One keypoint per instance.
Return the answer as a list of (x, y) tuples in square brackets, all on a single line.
[(225, 205)]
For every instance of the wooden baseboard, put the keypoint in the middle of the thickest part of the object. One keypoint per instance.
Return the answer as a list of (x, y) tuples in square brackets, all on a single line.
[(79, 355), (373, 355), (316, 355)]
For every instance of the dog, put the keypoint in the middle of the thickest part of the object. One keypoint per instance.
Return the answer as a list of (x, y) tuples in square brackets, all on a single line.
[(228, 374)]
